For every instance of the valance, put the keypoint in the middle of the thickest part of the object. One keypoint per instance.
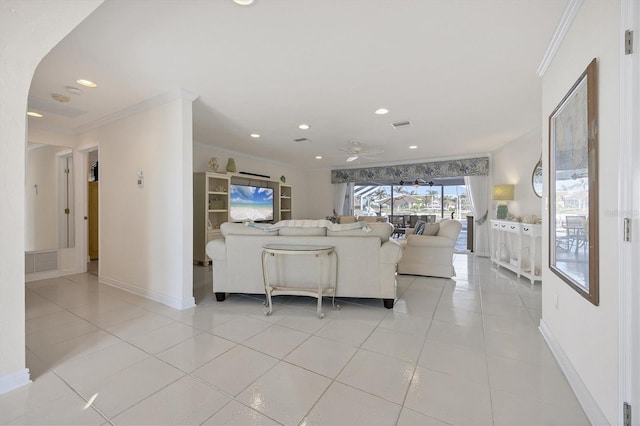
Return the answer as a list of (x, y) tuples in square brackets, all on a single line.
[(409, 172)]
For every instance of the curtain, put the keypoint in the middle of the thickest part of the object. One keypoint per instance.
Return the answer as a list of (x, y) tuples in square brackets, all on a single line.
[(478, 190), (343, 198)]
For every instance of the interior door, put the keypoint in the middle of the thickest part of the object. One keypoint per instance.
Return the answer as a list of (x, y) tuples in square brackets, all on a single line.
[(92, 218)]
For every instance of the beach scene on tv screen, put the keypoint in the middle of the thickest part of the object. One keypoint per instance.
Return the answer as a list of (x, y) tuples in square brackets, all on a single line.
[(251, 203)]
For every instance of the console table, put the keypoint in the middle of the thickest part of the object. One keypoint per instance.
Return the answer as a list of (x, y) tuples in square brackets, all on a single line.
[(514, 246), (321, 252)]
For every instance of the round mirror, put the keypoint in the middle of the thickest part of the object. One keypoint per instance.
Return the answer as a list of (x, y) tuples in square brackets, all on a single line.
[(536, 179)]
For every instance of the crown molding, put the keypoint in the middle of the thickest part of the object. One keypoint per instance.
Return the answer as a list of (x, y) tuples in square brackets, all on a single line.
[(139, 107), (566, 20)]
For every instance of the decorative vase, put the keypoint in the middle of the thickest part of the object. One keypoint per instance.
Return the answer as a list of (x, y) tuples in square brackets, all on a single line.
[(231, 165)]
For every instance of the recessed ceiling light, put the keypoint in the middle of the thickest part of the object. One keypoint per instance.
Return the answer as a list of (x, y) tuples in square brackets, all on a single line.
[(255, 135), (413, 146), (243, 2), (382, 111), (86, 83), (304, 126), (34, 114), (318, 157)]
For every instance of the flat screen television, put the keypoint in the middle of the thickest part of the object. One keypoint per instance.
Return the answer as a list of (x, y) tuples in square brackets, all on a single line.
[(250, 203)]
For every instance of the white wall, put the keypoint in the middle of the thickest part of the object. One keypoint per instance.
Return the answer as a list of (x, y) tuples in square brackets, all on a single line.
[(588, 334), (145, 232), (28, 30), (320, 193), (303, 189), (513, 163)]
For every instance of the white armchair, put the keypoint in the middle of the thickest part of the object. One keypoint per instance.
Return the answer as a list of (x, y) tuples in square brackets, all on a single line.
[(431, 255)]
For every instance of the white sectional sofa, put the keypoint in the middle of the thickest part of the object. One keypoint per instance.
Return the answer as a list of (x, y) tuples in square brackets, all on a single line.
[(366, 261)]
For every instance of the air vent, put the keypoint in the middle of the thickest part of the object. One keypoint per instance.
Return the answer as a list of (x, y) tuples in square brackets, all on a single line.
[(399, 124), (301, 140), (59, 98)]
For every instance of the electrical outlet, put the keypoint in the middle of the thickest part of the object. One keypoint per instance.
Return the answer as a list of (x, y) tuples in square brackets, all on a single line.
[(140, 179)]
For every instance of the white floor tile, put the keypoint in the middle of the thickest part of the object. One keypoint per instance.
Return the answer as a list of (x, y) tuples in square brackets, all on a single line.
[(235, 369), (344, 405), (322, 356), (543, 383), (449, 398), (237, 414), (469, 342), (196, 351), (187, 401), (458, 335), (397, 345), (410, 417), (163, 338), (513, 410), (349, 332), (240, 329), (277, 341), (286, 393), (381, 375), (86, 374), (131, 385), (455, 360)]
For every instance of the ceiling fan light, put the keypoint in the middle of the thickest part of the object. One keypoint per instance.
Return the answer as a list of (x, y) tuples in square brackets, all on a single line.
[(352, 158)]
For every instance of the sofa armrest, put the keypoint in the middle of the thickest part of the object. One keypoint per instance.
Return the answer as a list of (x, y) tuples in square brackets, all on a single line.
[(429, 241), (390, 252), (216, 249)]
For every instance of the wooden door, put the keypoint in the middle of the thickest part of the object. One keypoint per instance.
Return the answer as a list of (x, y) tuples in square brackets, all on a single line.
[(93, 220)]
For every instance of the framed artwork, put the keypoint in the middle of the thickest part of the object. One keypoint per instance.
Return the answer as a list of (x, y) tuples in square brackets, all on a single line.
[(573, 186)]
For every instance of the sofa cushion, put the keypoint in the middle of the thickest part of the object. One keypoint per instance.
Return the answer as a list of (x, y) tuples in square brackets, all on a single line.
[(383, 230), (419, 227), (300, 231), (431, 229), (231, 228)]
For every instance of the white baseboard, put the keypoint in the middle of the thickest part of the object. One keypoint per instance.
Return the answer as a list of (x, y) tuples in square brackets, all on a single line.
[(15, 380), (151, 295), (586, 400), (36, 276)]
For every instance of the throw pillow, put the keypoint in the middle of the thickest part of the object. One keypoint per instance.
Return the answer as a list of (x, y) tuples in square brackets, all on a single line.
[(420, 225), (431, 229)]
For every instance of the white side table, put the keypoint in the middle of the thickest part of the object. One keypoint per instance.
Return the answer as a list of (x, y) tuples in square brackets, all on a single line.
[(321, 252)]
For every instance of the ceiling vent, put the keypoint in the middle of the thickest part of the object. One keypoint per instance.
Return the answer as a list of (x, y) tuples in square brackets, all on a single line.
[(399, 124), (301, 140), (59, 98)]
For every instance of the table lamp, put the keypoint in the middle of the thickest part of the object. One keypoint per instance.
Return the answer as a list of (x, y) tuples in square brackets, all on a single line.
[(502, 194)]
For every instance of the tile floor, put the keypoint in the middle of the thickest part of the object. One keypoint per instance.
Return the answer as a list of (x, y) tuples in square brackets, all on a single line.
[(463, 351)]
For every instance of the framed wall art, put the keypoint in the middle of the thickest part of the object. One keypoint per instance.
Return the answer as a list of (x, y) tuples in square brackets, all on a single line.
[(573, 186)]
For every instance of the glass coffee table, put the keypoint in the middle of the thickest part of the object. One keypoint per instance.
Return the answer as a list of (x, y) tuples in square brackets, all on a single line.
[(326, 285)]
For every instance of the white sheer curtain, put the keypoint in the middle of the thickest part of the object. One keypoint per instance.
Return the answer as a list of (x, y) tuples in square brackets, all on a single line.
[(343, 198), (478, 190)]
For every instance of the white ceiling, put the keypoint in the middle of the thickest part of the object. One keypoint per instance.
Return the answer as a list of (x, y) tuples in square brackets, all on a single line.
[(462, 71)]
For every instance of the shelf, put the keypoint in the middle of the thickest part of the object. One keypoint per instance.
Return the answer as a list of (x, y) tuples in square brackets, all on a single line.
[(217, 193), (287, 197), (285, 210), (218, 211)]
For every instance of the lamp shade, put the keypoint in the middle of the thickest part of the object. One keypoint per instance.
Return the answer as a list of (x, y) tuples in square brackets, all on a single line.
[(503, 192)]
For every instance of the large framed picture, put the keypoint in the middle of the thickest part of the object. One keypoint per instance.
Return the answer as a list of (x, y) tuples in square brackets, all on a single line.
[(573, 186)]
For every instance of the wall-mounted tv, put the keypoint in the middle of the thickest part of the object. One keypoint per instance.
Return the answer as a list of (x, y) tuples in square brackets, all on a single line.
[(251, 203)]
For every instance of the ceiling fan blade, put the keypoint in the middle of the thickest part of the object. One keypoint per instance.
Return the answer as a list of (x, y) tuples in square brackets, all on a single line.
[(352, 158)]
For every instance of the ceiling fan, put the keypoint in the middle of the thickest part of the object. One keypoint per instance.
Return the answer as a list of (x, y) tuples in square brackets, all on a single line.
[(357, 150)]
